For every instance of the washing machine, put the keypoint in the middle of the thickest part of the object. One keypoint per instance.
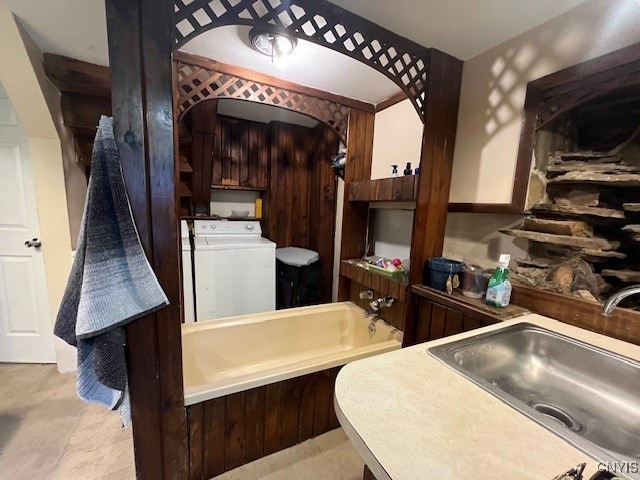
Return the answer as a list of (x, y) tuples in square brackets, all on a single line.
[(187, 274), (235, 269)]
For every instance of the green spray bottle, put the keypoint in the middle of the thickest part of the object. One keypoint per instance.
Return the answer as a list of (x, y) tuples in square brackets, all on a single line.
[(499, 290)]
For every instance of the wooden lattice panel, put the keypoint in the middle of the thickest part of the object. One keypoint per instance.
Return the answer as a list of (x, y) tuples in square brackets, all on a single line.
[(196, 84), (318, 21)]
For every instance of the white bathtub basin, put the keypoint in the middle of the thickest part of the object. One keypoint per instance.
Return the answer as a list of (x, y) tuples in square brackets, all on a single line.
[(226, 356)]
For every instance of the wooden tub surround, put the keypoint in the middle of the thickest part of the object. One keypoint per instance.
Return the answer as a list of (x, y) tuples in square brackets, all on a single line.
[(257, 384)]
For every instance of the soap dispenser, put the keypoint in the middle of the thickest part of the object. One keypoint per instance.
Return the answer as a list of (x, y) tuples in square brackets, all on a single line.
[(394, 171), (499, 290), (407, 170)]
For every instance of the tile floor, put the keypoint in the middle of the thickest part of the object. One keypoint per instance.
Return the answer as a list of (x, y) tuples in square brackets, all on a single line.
[(47, 433)]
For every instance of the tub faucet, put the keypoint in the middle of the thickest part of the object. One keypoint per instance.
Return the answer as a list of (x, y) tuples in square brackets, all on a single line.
[(376, 305), (617, 297)]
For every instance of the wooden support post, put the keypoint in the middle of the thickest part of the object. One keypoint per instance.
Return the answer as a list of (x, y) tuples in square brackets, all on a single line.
[(140, 43), (436, 163), (357, 168)]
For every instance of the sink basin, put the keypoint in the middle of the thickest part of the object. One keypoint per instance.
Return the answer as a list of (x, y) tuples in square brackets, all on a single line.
[(588, 396)]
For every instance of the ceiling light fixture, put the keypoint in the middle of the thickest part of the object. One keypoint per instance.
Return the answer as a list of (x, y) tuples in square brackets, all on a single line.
[(274, 45)]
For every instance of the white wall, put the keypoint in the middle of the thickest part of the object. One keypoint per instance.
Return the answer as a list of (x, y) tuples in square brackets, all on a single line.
[(491, 107), (494, 85), (225, 201), (397, 139), (392, 233), (21, 83)]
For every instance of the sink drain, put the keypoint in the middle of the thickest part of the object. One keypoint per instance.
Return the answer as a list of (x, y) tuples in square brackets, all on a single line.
[(558, 414)]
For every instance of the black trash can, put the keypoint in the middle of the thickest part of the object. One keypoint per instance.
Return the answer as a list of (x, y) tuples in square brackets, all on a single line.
[(299, 278)]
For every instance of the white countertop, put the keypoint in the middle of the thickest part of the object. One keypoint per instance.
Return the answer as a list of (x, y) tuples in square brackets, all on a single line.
[(413, 418)]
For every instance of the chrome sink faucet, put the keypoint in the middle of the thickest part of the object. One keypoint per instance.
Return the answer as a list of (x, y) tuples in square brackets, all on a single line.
[(617, 297)]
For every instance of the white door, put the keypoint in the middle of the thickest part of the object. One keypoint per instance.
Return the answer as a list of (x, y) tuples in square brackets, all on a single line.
[(25, 325)]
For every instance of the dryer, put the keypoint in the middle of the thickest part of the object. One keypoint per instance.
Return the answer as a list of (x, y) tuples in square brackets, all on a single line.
[(235, 269)]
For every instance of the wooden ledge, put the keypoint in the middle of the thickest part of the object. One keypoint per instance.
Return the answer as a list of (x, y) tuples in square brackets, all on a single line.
[(475, 307), (396, 189)]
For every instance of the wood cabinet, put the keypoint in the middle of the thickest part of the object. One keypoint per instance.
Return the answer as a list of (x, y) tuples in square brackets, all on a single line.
[(240, 155), (438, 315)]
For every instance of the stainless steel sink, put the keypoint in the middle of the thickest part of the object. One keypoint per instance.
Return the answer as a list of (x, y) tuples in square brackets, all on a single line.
[(588, 396)]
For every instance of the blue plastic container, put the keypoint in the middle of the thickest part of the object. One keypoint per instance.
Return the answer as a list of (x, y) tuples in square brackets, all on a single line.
[(439, 271)]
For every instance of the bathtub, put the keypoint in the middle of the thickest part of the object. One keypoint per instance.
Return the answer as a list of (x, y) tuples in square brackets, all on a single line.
[(226, 356)]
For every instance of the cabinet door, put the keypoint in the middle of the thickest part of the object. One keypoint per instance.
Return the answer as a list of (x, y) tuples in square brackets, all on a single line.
[(434, 321), (240, 154)]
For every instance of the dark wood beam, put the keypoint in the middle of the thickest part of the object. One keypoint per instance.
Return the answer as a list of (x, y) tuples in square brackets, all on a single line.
[(254, 76), (76, 76), (495, 208), (81, 113), (441, 118), (391, 101), (140, 44)]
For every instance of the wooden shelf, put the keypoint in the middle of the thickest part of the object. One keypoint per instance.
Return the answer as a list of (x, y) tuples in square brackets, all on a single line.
[(397, 189), (475, 307), (183, 190), (238, 187), (380, 283)]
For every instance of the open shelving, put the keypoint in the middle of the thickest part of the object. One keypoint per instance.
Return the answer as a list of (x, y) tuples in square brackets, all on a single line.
[(352, 270), (396, 189)]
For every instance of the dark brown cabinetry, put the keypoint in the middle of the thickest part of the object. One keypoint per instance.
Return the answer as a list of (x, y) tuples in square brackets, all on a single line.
[(438, 315), (240, 155)]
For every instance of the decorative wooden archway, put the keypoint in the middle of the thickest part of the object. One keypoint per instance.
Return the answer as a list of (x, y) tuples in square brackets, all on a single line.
[(318, 21), (195, 84)]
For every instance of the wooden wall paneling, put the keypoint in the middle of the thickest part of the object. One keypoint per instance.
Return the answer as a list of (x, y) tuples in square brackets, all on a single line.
[(469, 322), (273, 418), (438, 321), (195, 421), (214, 437), (216, 155), (254, 423), (252, 155), (454, 323), (204, 132), (307, 407), (323, 401), (235, 153), (290, 408), (225, 152), (357, 168), (140, 45), (325, 213), (234, 431), (244, 154), (299, 172), (333, 418), (239, 428), (623, 325), (264, 164)]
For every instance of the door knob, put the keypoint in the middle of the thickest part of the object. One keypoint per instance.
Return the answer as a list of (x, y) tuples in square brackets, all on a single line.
[(33, 243)]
